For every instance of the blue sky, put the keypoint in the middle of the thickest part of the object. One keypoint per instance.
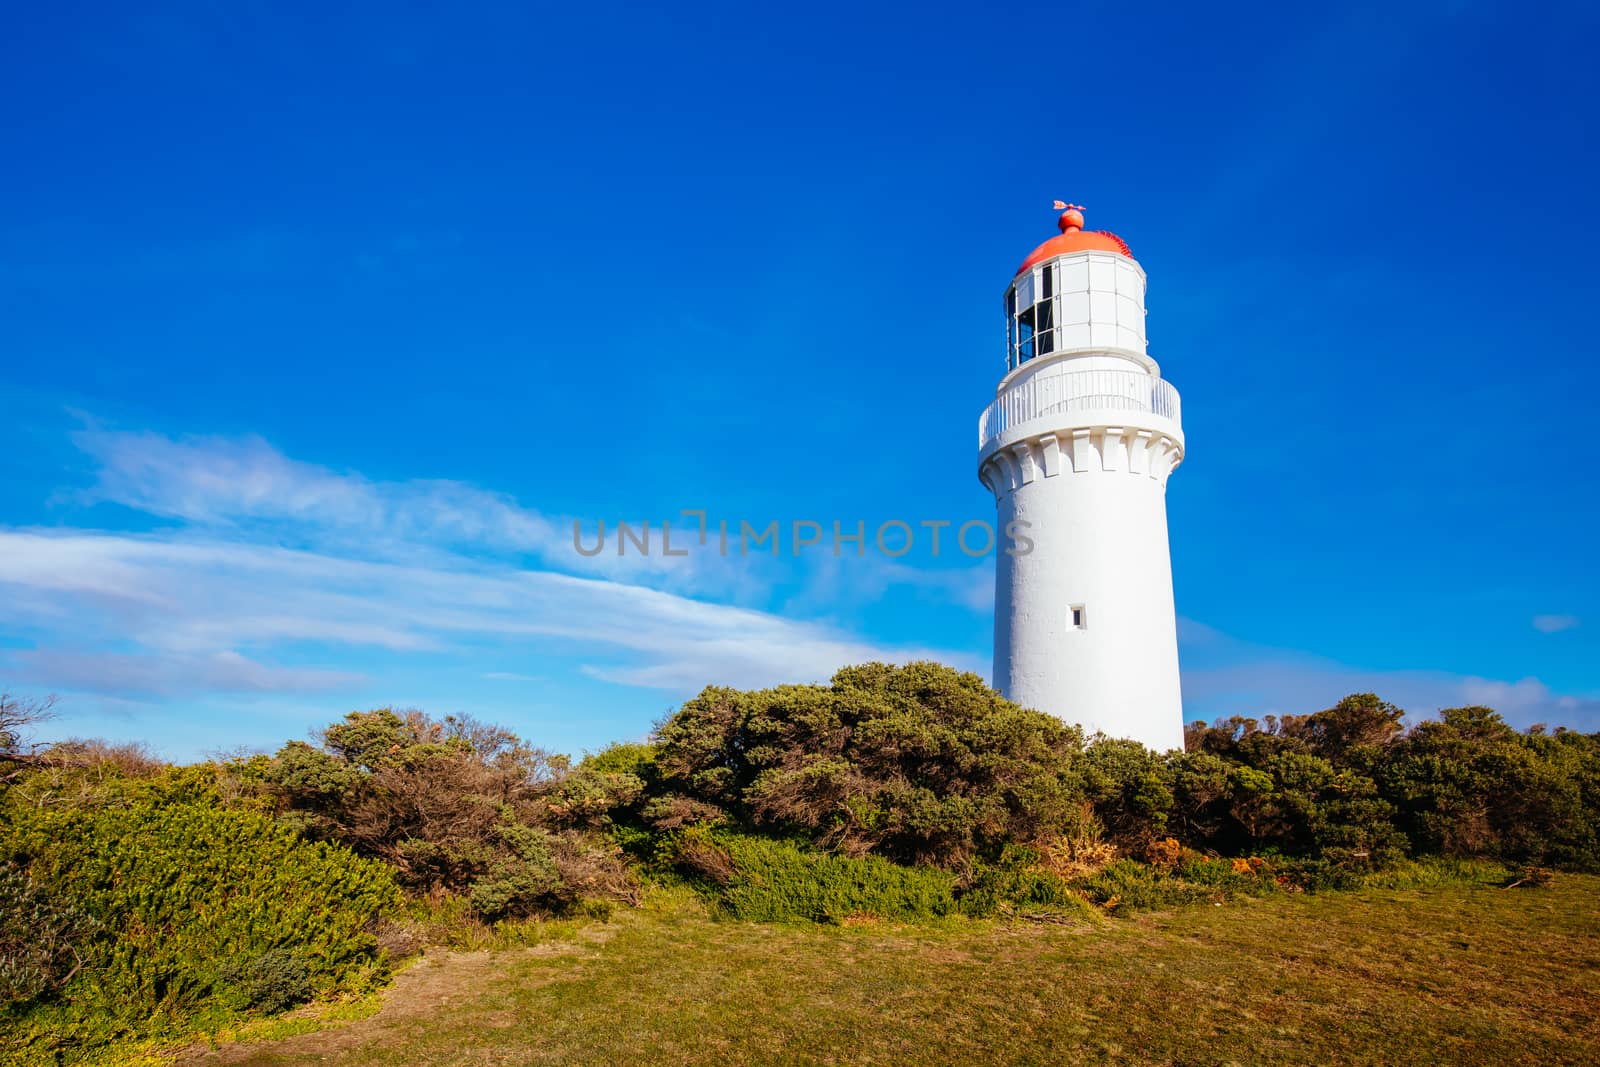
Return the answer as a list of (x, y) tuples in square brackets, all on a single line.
[(320, 324)]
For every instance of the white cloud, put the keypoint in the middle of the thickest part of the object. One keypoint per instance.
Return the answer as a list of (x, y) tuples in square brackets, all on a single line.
[(194, 603), (246, 489), (1554, 624), (213, 480)]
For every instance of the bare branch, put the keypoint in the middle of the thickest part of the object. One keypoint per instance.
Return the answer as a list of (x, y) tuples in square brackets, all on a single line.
[(17, 714)]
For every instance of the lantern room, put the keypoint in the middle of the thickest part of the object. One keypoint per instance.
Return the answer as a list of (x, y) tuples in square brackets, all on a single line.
[(1079, 292)]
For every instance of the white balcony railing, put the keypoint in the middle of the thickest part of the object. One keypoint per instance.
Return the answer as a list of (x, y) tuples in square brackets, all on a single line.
[(1058, 390)]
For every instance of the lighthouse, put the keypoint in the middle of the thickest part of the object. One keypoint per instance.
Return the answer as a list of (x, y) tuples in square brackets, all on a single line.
[(1077, 448)]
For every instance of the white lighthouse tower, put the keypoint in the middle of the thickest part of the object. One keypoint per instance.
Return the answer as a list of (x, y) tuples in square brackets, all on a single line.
[(1076, 448)]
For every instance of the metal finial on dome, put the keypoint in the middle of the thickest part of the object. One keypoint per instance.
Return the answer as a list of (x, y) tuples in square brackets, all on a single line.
[(1074, 238)]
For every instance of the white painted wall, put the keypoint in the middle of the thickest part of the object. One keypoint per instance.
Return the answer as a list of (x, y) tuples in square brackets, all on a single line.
[(1089, 479)]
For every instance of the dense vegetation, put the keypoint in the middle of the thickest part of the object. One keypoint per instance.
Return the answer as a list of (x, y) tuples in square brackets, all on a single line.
[(144, 907), (921, 764), (452, 806), (140, 901)]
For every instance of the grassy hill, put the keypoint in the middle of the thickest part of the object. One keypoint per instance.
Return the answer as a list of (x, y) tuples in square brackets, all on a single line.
[(1460, 974)]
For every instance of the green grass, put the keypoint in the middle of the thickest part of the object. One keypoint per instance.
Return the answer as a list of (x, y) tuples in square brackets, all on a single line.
[(1456, 973)]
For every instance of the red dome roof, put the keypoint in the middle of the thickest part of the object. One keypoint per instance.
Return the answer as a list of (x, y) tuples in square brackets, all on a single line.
[(1074, 238)]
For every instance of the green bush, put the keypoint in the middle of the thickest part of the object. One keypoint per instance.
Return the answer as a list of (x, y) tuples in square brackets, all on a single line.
[(1131, 790), (763, 879), (42, 939), (456, 806), (921, 764), (182, 893), (1349, 790), (274, 981), (520, 880), (1020, 886), (1470, 785)]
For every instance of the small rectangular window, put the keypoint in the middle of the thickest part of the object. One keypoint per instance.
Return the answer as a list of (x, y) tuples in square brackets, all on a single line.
[(1080, 618)]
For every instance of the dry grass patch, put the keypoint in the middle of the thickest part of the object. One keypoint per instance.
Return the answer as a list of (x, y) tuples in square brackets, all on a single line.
[(1453, 974)]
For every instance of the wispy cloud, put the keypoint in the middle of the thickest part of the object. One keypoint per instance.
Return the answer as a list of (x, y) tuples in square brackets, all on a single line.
[(1554, 624), (244, 489), (217, 481), (268, 554), (193, 601)]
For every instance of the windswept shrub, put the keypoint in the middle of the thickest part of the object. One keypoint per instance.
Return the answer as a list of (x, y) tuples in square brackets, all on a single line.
[(272, 982), (1130, 788), (1299, 786), (606, 788), (94, 774), (454, 805), (43, 940), (921, 764), (183, 895), (520, 878), (1469, 785), (1349, 791), (1356, 732)]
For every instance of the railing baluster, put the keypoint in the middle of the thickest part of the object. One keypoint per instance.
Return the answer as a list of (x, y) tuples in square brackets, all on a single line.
[(1059, 390)]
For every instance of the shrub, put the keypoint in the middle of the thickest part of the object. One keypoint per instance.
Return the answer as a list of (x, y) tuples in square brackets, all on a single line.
[(181, 892), (520, 879), (921, 764), (607, 785), (273, 982), (1019, 883), (1469, 785), (762, 879), (42, 939), (457, 806), (1130, 788)]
